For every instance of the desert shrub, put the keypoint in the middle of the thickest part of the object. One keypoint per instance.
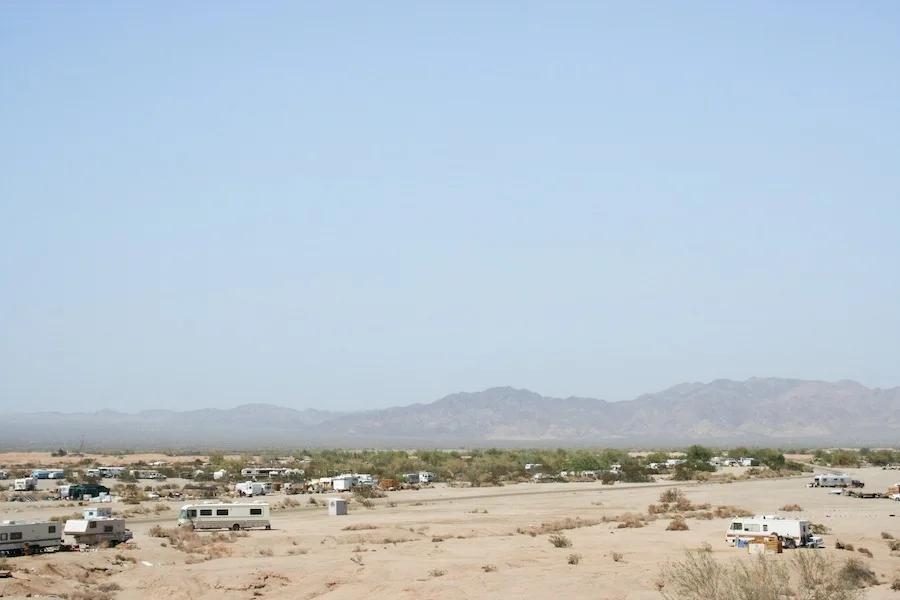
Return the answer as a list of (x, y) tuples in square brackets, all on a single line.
[(894, 545), (359, 527), (110, 586), (560, 541), (488, 568), (839, 545), (671, 496), (886, 536), (858, 572), (865, 552), (791, 508), (820, 577), (617, 556), (356, 558), (699, 576), (437, 572), (731, 512), (366, 503), (555, 526), (368, 491), (574, 558), (677, 524), (266, 552), (819, 529), (895, 584)]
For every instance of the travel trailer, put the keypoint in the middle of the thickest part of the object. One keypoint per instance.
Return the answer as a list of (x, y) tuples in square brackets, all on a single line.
[(26, 484), (829, 480), (98, 526), (29, 537), (254, 488), (220, 515), (48, 474), (794, 532)]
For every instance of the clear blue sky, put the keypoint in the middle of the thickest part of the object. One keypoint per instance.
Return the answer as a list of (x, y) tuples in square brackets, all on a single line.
[(366, 204)]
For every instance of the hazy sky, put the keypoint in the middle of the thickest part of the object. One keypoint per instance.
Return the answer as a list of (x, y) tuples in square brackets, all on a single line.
[(360, 204)]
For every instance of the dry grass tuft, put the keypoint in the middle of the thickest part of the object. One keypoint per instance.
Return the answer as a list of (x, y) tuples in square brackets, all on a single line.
[(555, 526), (437, 572), (730, 512), (791, 508), (886, 536), (488, 568), (865, 552), (894, 545), (677, 524), (560, 541), (573, 559)]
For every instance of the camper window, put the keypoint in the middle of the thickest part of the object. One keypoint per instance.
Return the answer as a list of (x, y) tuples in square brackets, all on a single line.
[(255, 511), (765, 527), (3, 537), (206, 512), (192, 512), (107, 529), (51, 529), (736, 526), (92, 525), (752, 527), (222, 512), (15, 535)]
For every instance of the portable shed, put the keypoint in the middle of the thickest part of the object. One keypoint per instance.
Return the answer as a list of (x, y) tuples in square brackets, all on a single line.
[(337, 507)]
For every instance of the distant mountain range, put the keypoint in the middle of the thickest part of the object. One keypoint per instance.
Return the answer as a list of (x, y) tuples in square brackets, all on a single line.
[(759, 410)]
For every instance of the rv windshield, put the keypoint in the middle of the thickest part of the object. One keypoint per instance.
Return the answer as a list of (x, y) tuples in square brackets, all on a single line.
[(182, 515)]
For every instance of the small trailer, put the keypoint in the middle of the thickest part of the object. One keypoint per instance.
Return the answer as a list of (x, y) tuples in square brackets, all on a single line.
[(793, 532), (97, 527), (220, 515), (48, 474), (254, 488), (26, 484), (29, 537)]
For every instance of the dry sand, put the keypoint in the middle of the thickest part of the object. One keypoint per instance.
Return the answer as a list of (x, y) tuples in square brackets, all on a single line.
[(451, 543)]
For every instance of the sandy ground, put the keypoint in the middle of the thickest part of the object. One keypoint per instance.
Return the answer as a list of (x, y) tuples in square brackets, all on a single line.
[(439, 543)]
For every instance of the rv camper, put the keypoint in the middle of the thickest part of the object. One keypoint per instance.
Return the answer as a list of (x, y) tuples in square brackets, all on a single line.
[(26, 484), (794, 532), (98, 526), (225, 516), (829, 480), (29, 537), (48, 474), (4, 475)]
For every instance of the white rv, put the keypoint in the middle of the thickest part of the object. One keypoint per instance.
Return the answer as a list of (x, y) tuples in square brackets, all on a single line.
[(829, 480), (426, 476), (219, 515), (794, 532), (26, 484), (98, 526), (29, 537), (254, 488), (4, 475)]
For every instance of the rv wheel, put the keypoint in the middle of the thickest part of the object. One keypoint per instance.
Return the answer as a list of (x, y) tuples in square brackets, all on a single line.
[(268, 527), (235, 527)]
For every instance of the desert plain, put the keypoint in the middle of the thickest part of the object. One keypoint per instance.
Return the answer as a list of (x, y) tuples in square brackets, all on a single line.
[(447, 543)]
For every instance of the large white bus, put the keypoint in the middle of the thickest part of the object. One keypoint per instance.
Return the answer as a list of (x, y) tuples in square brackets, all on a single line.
[(220, 515), (29, 537)]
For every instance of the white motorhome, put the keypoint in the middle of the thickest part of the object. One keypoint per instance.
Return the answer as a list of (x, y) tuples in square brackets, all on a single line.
[(829, 480), (98, 526), (426, 476), (26, 484), (220, 515), (794, 532), (4, 475), (254, 488), (111, 471), (28, 537)]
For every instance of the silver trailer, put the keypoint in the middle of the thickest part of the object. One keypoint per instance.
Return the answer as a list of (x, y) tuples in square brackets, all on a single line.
[(221, 515)]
